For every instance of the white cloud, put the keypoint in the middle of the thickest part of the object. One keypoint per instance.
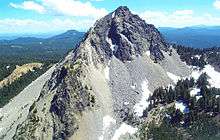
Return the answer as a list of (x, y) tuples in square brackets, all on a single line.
[(39, 26), (68, 14), (178, 18), (64, 8), (74, 8), (75, 14), (183, 12), (29, 5), (96, 0), (216, 4)]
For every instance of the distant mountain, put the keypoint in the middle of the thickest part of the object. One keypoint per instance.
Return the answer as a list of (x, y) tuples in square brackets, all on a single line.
[(58, 44), (64, 40), (195, 36), (67, 34), (11, 36), (21, 40), (5, 37)]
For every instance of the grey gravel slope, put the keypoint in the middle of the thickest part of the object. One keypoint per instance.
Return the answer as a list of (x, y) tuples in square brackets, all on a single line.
[(16, 111)]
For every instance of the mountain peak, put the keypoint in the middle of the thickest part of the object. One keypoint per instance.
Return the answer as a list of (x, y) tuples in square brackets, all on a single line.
[(122, 10), (125, 35)]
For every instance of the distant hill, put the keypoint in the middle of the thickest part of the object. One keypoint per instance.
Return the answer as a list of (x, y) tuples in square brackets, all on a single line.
[(65, 41), (196, 36), (32, 46)]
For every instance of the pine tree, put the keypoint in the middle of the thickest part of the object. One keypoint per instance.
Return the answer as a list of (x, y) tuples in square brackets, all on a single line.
[(191, 82), (171, 95), (202, 80)]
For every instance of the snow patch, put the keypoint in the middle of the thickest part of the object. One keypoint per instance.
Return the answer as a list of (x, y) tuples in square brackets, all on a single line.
[(173, 77), (214, 76), (181, 106), (124, 129), (113, 47), (195, 92), (198, 97), (101, 137), (123, 36), (168, 116), (198, 56), (106, 72), (143, 104), (113, 15), (107, 122), (126, 103), (148, 53), (133, 86), (196, 73)]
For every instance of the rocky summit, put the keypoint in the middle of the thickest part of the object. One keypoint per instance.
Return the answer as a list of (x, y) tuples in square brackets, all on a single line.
[(100, 90), (130, 35)]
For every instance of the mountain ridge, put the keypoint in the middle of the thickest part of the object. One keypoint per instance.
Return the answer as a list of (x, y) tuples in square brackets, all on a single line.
[(195, 37), (23, 40), (38, 49)]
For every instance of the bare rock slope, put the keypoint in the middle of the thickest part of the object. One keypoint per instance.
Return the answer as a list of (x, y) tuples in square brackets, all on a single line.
[(16, 111), (100, 90)]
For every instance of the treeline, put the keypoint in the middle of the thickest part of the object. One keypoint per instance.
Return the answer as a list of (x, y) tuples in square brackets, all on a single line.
[(6, 69), (30, 57), (10, 91), (202, 129), (204, 56), (208, 102), (188, 54), (198, 121), (9, 61), (30, 50)]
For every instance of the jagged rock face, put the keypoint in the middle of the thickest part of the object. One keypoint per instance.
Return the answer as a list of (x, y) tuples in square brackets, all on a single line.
[(129, 35), (63, 98), (106, 76)]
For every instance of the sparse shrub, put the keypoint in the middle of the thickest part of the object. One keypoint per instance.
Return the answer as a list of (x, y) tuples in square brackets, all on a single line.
[(92, 99), (32, 106)]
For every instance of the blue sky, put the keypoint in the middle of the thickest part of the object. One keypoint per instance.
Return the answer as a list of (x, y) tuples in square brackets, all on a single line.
[(42, 16)]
